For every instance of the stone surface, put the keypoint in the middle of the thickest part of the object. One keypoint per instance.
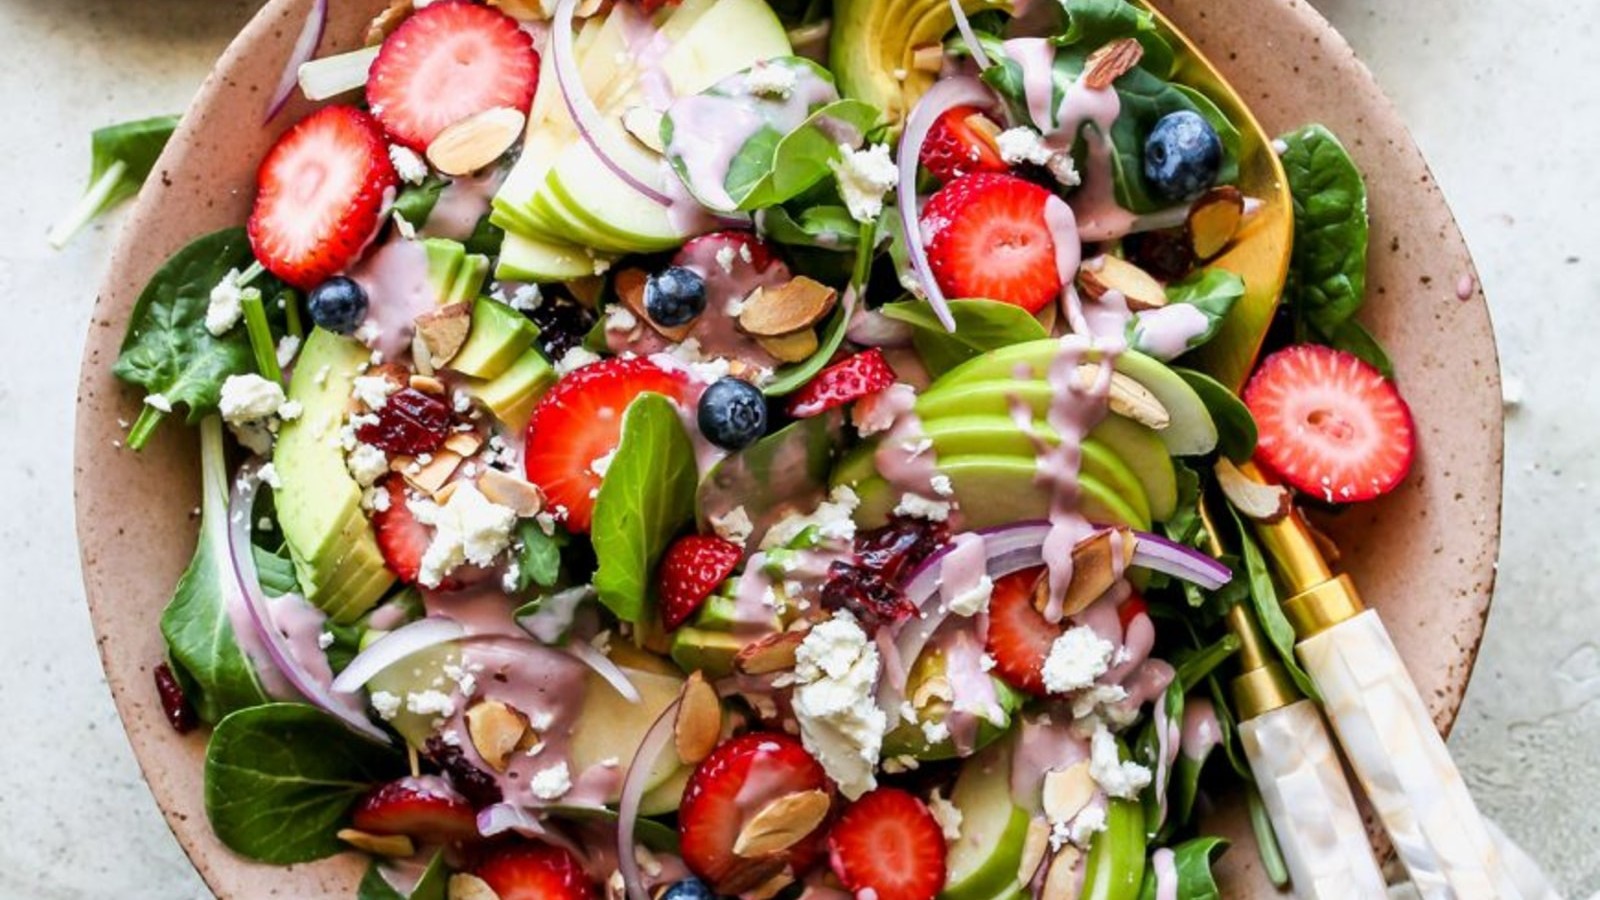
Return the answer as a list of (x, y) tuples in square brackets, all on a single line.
[(1471, 76)]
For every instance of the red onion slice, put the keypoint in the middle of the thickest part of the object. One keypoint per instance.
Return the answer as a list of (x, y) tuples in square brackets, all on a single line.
[(870, 328), (644, 760), (942, 97), (305, 47), (406, 641), (1158, 554), (343, 706), (969, 36), (584, 652)]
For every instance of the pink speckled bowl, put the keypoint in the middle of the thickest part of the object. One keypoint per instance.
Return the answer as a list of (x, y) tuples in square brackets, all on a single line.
[(1424, 556)]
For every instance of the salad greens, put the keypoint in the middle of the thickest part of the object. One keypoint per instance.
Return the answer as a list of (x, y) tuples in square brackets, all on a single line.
[(433, 885), (1236, 428), (1213, 292), (1192, 862), (122, 157), (1264, 597), (981, 326), (539, 559)]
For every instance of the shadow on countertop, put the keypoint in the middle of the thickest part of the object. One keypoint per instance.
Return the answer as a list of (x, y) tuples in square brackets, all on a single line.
[(113, 21)]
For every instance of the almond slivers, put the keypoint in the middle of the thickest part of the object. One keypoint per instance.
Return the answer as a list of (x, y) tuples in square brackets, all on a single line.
[(476, 141), (782, 823)]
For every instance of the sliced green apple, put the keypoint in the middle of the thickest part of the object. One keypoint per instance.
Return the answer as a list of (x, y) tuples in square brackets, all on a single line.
[(982, 863), (999, 490)]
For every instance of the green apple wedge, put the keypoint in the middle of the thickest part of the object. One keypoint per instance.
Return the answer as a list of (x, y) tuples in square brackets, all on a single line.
[(998, 490), (982, 863)]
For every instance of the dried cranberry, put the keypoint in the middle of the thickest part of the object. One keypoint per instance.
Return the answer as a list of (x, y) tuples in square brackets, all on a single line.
[(1166, 254), (473, 783), (866, 593), (897, 548), (563, 325), (180, 715), (411, 422)]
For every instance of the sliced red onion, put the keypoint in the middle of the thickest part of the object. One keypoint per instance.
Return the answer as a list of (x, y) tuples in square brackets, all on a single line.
[(330, 76), (870, 328), (305, 47), (584, 652), (400, 644), (942, 97), (343, 706), (1168, 557), (968, 35), (633, 785), (581, 107)]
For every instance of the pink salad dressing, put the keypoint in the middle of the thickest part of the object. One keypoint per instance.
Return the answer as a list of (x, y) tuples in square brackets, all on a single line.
[(461, 204), (1166, 333), (1162, 862), (395, 278), (1201, 731)]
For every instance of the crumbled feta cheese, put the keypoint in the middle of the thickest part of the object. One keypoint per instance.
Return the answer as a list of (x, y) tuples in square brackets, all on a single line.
[(733, 526), (526, 298), (876, 413), (468, 528), (551, 783), (268, 474), (226, 306), (372, 390), (941, 485), (975, 599), (916, 506), (511, 578), (1090, 821), (408, 164), (864, 177), (574, 359), (836, 669), (158, 402), (1102, 701), (288, 348), (767, 79), (1118, 778), (600, 465), (541, 720), (368, 332), (249, 398), (620, 318), (325, 640), (935, 732), (947, 815), (430, 703), (725, 257), (264, 523), (290, 410), (1076, 659), (688, 357), (1023, 145), (832, 519), (386, 704), (367, 464)]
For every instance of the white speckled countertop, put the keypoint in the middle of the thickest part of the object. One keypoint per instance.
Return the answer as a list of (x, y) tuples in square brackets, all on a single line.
[(1500, 95)]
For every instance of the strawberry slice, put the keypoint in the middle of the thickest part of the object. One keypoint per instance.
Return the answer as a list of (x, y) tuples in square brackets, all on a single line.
[(580, 422), (401, 538), (1019, 638), (690, 572), (424, 807), (988, 237), (319, 192), (447, 62), (961, 142), (888, 843), (745, 246), (740, 777), (843, 382), (535, 872), (1131, 608), (1331, 425)]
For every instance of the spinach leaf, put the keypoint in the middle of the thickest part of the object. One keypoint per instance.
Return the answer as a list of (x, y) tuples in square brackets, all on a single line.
[(1264, 597), (649, 832), (121, 158), (416, 201), (823, 227), (1211, 291), (785, 470), (433, 884), (647, 497), (1354, 339), (280, 780), (168, 350), (539, 555), (1236, 428), (1148, 749), (981, 326), (217, 676), (1329, 261), (276, 573), (1095, 23), (1191, 863)]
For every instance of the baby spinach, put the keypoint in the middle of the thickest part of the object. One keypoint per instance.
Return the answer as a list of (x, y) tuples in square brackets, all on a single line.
[(538, 555), (1191, 863), (433, 885), (1236, 428), (981, 326), (1213, 292), (647, 497), (823, 227), (782, 471), (280, 780), (217, 676), (168, 350), (121, 158), (416, 201), (1269, 613)]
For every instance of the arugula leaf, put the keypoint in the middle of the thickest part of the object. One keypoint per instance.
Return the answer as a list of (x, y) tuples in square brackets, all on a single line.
[(1191, 861), (1264, 596), (539, 559), (121, 158), (1236, 428), (280, 780), (217, 676), (1212, 291), (1329, 260), (981, 326), (168, 350), (647, 497), (433, 884)]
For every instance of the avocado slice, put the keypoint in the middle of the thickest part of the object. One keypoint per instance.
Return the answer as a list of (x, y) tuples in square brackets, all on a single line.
[(982, 864), (512, 395), (335, 552), (874, 42), (705, 650), (999, 490), (498, 338)]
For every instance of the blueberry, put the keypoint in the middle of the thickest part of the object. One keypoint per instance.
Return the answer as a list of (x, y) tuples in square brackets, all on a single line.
[(338, 305), (732, 414), (1182, 156), (675, 296), (690, 888)]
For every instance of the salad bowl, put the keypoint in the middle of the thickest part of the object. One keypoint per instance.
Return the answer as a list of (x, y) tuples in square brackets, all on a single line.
[(1424, 554)]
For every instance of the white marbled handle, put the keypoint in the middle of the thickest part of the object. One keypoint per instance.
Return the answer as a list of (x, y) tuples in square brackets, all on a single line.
[(1313, 812), (1402, 763)]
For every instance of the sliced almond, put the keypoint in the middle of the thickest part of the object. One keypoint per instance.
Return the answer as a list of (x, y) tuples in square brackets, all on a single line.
[(1104, 274), (1067, 792), (644, 124), (522, 497), (465, 443), (421, 357), (770, 888), (1095, 568), (791, 348), (470, 887), (496, 730), (747, 875), (526, 10), (384, 23), (428, 384), (984, 128), (787, 308), (1214, 219), (427, 477), (1127, 397), (443, 495), (782, 823), (928, 58), (1258, 500), (630, 284), (1111, 62), (932, 690), (1061, 881), (589, 7), (444, 330), (616, 887), (395, 845), (1034, 845), (476, 141), (699, 722), (773, 653)]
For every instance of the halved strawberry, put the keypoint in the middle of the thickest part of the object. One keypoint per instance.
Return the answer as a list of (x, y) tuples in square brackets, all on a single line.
[(424, 807), (961, 142), (580, 422), (447, 62), (740, 777), (1019, 637), (988, 237), (745, 246), (401, 538), (1132, 608), (1331, 425), (845, 381), (318, 195), (690, 571), (888, 843), (535, 872)]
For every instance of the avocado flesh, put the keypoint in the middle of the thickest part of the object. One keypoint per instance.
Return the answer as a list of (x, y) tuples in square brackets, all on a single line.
[(999, 490), (872, 40), (983, 863), (498, 337), (319, 505), (512, 395), (705, 650)]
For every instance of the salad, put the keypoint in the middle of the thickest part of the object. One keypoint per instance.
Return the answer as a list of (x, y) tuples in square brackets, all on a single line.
[(729, 448)]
